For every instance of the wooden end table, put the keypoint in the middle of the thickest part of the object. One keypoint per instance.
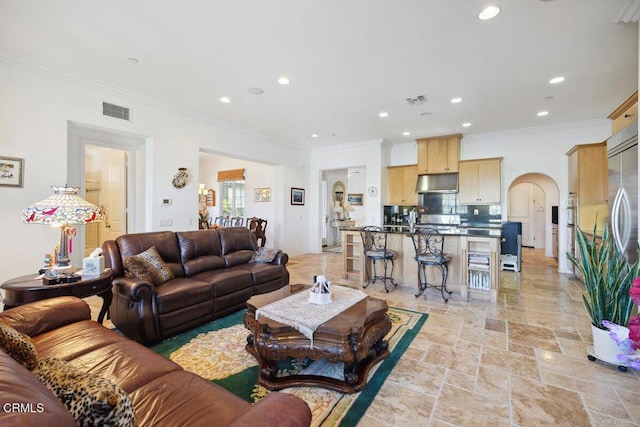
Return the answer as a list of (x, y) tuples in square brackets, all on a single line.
[(24, 289), (354, 337)]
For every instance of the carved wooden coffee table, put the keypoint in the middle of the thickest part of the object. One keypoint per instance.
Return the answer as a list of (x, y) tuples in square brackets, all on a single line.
[(354, 337)]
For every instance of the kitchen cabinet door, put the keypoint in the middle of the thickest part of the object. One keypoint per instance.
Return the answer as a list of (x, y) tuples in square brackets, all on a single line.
[(479, 181), (588, 181), (402, 185), (439, 154), (625, 114)]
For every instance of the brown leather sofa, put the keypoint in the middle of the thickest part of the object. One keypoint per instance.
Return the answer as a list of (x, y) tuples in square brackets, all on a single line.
[(213, 277), (163, 394)]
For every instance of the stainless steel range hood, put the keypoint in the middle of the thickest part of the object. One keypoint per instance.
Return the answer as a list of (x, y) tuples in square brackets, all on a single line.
[(439, 183)]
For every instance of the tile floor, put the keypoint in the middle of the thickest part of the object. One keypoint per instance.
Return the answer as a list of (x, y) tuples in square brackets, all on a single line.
[(520, 362)]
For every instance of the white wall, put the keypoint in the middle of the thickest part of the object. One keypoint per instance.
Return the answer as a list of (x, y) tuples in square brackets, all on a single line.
[(34, 114)]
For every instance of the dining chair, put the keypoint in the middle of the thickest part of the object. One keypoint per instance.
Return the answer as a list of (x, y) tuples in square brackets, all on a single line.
[(259, 228), (236, 221)]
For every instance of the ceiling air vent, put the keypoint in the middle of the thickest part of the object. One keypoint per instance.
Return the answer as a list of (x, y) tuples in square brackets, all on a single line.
[(116, 111), (420, 99)]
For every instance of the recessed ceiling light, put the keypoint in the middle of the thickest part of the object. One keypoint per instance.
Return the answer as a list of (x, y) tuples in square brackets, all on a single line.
[(426, 113), (556, 80), (315, 135), (283, 80), (542, 113), (548, 98), (133, 60), (225, 100), (383, 114), (406, 133), (255, 91), (456, 100), (488, 13), (466, 125)]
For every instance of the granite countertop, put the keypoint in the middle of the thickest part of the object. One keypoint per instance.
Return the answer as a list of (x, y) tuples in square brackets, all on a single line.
[(448, 231)]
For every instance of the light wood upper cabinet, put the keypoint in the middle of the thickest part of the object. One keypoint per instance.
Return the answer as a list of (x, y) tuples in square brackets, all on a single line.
[(479, 181), (438, 154), (588, 180), (402, 185), (625, 114)]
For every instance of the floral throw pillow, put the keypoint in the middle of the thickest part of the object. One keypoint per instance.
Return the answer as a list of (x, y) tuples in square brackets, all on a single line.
[(148, 266), (264, 255)]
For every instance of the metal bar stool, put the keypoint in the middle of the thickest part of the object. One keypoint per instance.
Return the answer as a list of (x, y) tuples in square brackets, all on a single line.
[(374, 244), (429, 244)]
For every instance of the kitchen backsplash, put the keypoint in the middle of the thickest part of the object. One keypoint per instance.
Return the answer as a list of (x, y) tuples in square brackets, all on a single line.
[(445, 204), (480, 213)]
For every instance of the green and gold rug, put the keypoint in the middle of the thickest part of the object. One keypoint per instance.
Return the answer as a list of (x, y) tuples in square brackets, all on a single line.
[(216, 351)]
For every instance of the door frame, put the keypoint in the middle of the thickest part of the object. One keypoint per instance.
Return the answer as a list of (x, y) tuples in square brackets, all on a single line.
[(138, 219)]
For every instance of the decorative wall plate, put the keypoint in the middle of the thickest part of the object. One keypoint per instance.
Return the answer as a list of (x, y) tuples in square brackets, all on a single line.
[(180, 179), (372, 191)]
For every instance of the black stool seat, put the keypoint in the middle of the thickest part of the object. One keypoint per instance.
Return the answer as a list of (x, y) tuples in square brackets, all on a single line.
[(374, 243), (428, 244)]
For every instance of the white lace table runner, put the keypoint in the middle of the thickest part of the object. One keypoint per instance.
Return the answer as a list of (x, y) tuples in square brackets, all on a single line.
[(305, 317)]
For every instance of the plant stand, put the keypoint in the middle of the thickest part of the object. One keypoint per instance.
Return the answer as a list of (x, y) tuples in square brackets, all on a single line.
[(604, 349), (593, 357)]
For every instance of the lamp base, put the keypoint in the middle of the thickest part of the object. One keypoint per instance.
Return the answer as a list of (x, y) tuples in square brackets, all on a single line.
[(62, 267)]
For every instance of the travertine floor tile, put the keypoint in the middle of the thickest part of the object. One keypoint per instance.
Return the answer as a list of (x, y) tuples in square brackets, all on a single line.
[(396, 405), (536, 404), (461, 407)]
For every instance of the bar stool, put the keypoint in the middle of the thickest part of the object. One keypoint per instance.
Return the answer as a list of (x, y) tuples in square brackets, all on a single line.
[(429, 243), (374, 244)]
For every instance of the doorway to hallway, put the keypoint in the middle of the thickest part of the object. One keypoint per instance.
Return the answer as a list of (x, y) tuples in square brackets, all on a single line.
[(530, 200)]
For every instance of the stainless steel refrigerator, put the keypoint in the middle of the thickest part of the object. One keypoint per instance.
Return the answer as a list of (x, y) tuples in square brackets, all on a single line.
[(622, 150)]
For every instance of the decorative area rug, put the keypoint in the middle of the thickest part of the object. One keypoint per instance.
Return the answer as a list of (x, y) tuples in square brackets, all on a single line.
[(216, 351)]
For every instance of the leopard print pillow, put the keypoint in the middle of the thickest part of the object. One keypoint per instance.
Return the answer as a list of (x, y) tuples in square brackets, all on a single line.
[(148, 266), (19, 346), (91, 399)]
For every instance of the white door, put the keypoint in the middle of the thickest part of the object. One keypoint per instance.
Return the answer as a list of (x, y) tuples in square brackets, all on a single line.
[(521, 209), (540, 223), (115, 194), (106, 186)]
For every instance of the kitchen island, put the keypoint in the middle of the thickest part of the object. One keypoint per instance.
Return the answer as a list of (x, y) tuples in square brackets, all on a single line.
[(473, 267)]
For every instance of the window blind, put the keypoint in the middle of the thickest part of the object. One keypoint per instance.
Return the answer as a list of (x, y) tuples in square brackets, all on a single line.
[(231, 175)]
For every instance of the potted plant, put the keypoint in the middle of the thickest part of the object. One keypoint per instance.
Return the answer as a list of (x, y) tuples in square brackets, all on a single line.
[(607, 277)]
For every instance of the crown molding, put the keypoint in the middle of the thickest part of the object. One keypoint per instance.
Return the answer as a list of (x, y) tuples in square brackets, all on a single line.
[(630, 12), (349, 146), (31, 64), (561, 127)]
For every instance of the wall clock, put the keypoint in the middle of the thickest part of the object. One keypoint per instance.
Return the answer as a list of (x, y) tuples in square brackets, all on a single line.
[(372, 191)]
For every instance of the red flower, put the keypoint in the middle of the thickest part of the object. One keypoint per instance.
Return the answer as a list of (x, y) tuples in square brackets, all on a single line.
[(634, 332), (634, 292)]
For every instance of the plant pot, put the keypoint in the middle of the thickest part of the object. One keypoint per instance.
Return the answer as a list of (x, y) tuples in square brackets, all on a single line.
[(604, 347)]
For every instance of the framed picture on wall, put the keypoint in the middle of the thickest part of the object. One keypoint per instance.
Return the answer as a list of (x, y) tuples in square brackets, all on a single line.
[(262, 194), (297, 196), (11, 171), (355, 199)]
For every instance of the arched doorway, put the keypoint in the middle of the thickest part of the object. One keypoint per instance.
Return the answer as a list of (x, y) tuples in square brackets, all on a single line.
[(531, 199)]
